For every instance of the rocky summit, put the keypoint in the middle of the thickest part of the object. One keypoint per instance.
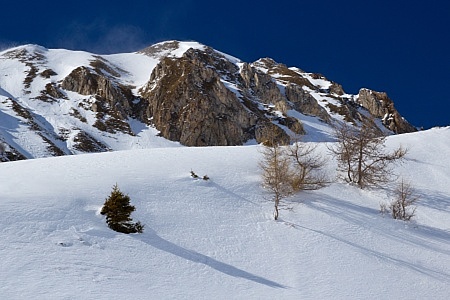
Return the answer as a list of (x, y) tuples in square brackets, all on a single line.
[(59, 102)]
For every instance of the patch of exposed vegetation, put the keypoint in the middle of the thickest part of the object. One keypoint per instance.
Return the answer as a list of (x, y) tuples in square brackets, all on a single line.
[(51, 147), (45, 98), (30, 121), (48, 73), (31, 75), (109, 119), (86, 143), (76, 114), (51, 93), (100, 125), (29, 59), (112, 124), (12, 155), (20, 110), (63, 134)]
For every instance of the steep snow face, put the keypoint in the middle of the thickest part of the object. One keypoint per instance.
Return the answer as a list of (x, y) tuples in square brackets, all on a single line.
[(217, 239)]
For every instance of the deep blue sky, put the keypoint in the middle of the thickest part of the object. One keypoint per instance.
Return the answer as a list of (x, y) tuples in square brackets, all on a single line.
[(400, 47)]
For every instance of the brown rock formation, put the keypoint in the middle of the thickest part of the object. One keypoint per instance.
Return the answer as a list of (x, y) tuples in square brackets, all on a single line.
[(188, 102), (381, 106)]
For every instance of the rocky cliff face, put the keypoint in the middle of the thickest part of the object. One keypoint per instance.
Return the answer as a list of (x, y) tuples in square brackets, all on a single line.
[(188, 92), (188, 100), (380, 106)]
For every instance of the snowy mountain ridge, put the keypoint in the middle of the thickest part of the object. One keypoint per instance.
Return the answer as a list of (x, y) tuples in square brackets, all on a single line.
[(59, 102)]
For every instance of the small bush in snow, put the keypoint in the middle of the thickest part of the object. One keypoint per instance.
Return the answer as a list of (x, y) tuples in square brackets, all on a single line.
[(195, 176), (402, 207), (118, 209)]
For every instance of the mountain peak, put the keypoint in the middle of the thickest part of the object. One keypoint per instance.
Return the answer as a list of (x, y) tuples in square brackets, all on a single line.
[(60, 102), (170, 49)]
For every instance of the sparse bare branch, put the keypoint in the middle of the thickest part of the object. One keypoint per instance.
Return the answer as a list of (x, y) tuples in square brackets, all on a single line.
[(307, 173), (361, 154), (402, 206)]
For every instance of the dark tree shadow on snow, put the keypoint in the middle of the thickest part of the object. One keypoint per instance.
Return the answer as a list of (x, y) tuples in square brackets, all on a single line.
[(430, 238), (151, 238), (382, 256)]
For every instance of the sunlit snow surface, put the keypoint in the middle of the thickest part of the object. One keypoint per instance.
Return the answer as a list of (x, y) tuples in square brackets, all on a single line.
[(216, 239)]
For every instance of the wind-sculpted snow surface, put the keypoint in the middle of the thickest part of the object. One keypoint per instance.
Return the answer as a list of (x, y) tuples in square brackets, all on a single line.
[(217, 239)]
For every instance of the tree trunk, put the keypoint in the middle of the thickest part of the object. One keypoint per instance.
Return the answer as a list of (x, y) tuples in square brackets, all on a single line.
[(275, 214)]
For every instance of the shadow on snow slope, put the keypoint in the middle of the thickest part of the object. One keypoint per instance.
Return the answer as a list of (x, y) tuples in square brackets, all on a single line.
[(367, 219), (154, 240)]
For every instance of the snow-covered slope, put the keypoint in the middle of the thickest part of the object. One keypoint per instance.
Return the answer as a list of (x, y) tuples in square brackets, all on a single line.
[(58, 102), (35, 126), (216, 239)]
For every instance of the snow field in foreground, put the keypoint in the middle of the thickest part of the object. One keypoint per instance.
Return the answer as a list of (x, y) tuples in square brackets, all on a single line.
[(216, 239)]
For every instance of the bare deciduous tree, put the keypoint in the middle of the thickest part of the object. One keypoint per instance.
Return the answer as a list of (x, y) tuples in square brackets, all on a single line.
[(401, 207), (276, 173), (362, 156), (289, 169), (307, 173)]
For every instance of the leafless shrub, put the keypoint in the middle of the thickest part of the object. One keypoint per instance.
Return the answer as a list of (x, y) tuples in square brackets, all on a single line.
[(402, 206), (383, 208)]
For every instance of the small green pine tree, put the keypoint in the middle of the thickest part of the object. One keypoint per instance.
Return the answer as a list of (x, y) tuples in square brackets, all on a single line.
[(118, 209)]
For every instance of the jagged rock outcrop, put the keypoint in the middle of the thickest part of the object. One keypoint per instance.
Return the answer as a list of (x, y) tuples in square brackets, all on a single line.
[(305, 103), (86, 81), (260, 85), (381, 106), (282, 72), (188, 102), (336, 89)]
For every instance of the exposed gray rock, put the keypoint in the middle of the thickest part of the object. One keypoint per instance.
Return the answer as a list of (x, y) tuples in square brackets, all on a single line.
[(85, 81), (381, 106), (188, 103), (260, 85), (268, 134), (337, 89), (283, 73), (158, 50), (305, 103)]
